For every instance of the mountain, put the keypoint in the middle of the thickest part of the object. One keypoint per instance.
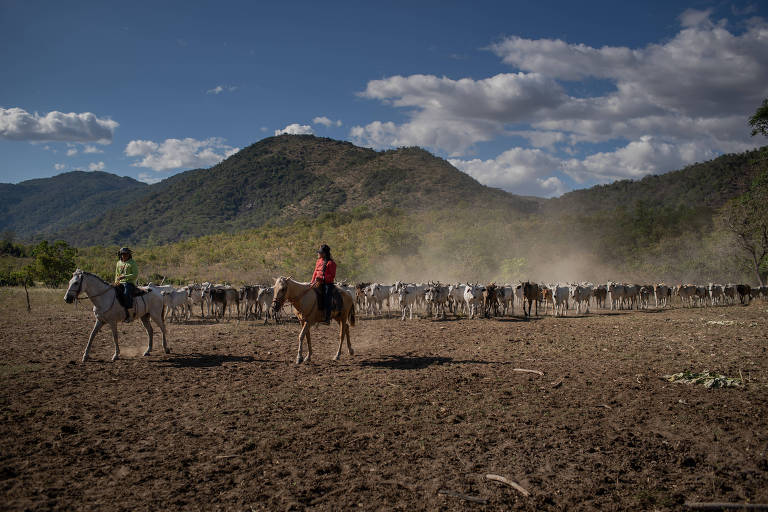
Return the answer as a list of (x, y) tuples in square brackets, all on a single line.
[(41, 207), (705, 186), (282, 178)]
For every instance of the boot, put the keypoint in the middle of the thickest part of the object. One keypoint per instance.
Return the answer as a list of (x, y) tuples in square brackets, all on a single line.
[(128, 315)]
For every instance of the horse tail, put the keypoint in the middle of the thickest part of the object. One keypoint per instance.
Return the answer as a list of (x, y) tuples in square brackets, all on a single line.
[(162, 313), (352, 315)]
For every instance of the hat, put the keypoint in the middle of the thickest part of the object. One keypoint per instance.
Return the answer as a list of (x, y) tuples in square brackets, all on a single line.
[(324, 249), (124, 250)]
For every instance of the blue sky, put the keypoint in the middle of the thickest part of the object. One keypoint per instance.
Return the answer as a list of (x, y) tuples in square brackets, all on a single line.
[(534, 97)]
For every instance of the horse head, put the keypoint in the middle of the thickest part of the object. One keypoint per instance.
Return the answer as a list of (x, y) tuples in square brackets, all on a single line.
[(75, 284)]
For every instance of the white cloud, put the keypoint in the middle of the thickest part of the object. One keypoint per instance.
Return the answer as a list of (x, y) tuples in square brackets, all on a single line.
[(179, 153), (518, 170), (221, 88), (149, 178), (665, 105), (18, 124), (59, 167), (295, 129), (325, 121), (91, 149), (71, 152), (94, 166), (636, 159)]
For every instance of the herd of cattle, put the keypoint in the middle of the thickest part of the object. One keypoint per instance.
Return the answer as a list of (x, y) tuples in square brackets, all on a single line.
[(472, 300)]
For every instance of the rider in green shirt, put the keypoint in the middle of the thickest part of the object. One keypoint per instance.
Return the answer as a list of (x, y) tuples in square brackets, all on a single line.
[(126, 273)]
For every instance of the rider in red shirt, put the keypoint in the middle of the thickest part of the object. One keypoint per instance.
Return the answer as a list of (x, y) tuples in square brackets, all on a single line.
[(325, 272)]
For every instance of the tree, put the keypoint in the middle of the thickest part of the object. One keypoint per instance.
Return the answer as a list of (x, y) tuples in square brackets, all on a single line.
[(759, 121), (54, 263), (747, 217)]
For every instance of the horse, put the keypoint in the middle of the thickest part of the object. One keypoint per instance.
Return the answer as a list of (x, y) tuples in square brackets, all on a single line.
[(108, 310), (304, 301)]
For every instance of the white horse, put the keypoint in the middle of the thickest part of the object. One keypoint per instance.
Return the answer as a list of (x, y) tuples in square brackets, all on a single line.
[(108, 310)]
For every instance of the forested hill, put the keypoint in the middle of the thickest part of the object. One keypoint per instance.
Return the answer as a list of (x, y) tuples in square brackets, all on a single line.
[(279, 179), (41, 207), (284, 178), (703, 186)]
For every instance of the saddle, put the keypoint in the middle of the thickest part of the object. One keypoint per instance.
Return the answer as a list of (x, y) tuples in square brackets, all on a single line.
[(135, 292), (336, 300)]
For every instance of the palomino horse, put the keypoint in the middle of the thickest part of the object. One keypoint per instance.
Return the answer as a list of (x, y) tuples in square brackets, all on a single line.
[(304, 301), (108, 310)]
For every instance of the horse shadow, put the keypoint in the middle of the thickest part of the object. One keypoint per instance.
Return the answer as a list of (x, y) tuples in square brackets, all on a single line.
[(202, 360)]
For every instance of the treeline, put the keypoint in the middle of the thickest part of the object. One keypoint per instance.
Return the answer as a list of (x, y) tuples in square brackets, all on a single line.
[(635, 242), (51, 264)]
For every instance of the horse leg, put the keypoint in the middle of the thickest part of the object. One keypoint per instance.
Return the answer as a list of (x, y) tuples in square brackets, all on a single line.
[(309, 345), (349, 342), (161, 324), (150, 332), (116, 355), (96, 328), (341, 339), (304, 329)]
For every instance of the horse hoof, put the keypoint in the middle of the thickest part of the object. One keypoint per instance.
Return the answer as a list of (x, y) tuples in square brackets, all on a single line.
[(299, 360), (146, 353), (115, 357), (336, 357), (167, 351), (85, 358), (351, 352)]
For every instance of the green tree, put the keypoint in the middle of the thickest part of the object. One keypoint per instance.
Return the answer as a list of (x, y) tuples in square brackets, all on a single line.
[(747, 217), (54, 263), (759, 121)]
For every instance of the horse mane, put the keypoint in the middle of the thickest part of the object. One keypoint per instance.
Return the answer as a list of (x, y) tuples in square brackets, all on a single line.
[(94, 275)]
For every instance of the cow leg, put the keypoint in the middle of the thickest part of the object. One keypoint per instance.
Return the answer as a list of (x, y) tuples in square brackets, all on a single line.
[(116, 355), (94, 331)]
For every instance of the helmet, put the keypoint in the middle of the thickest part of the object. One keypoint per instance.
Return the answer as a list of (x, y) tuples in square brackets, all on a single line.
[(124, 250)]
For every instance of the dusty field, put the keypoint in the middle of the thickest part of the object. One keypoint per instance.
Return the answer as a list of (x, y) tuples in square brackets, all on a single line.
[(228, 422)]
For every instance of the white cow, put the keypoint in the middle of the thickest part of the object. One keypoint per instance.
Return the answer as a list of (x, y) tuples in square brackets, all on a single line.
[(406, 299), (507, 297), (560, 295), (716, 294), (581, 294), (173, 300), (456, 298), (473, 297), (617, 294)]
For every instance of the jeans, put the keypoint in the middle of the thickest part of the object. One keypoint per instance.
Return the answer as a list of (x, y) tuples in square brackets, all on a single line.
[(128, 289)]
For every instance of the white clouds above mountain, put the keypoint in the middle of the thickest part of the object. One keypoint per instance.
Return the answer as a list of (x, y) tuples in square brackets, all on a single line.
[(18, 124), (178, 153), (664, 105), (526, 171), (326, 121), (295, 129)]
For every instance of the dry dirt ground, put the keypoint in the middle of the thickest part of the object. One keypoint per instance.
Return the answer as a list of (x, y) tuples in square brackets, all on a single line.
[(229, 422)]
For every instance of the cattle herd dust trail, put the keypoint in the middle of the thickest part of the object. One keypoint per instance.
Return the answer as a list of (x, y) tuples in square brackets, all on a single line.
[(415, 421)]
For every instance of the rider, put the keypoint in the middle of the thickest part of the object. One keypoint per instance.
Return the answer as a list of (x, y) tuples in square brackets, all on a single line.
[(325, 272), (125, 274)]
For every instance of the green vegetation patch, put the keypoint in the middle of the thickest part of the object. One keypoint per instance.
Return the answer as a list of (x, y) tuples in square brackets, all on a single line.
[(706, 378)]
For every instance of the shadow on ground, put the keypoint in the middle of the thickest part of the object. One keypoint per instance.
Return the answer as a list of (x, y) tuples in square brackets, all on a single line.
[(202, 360)]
